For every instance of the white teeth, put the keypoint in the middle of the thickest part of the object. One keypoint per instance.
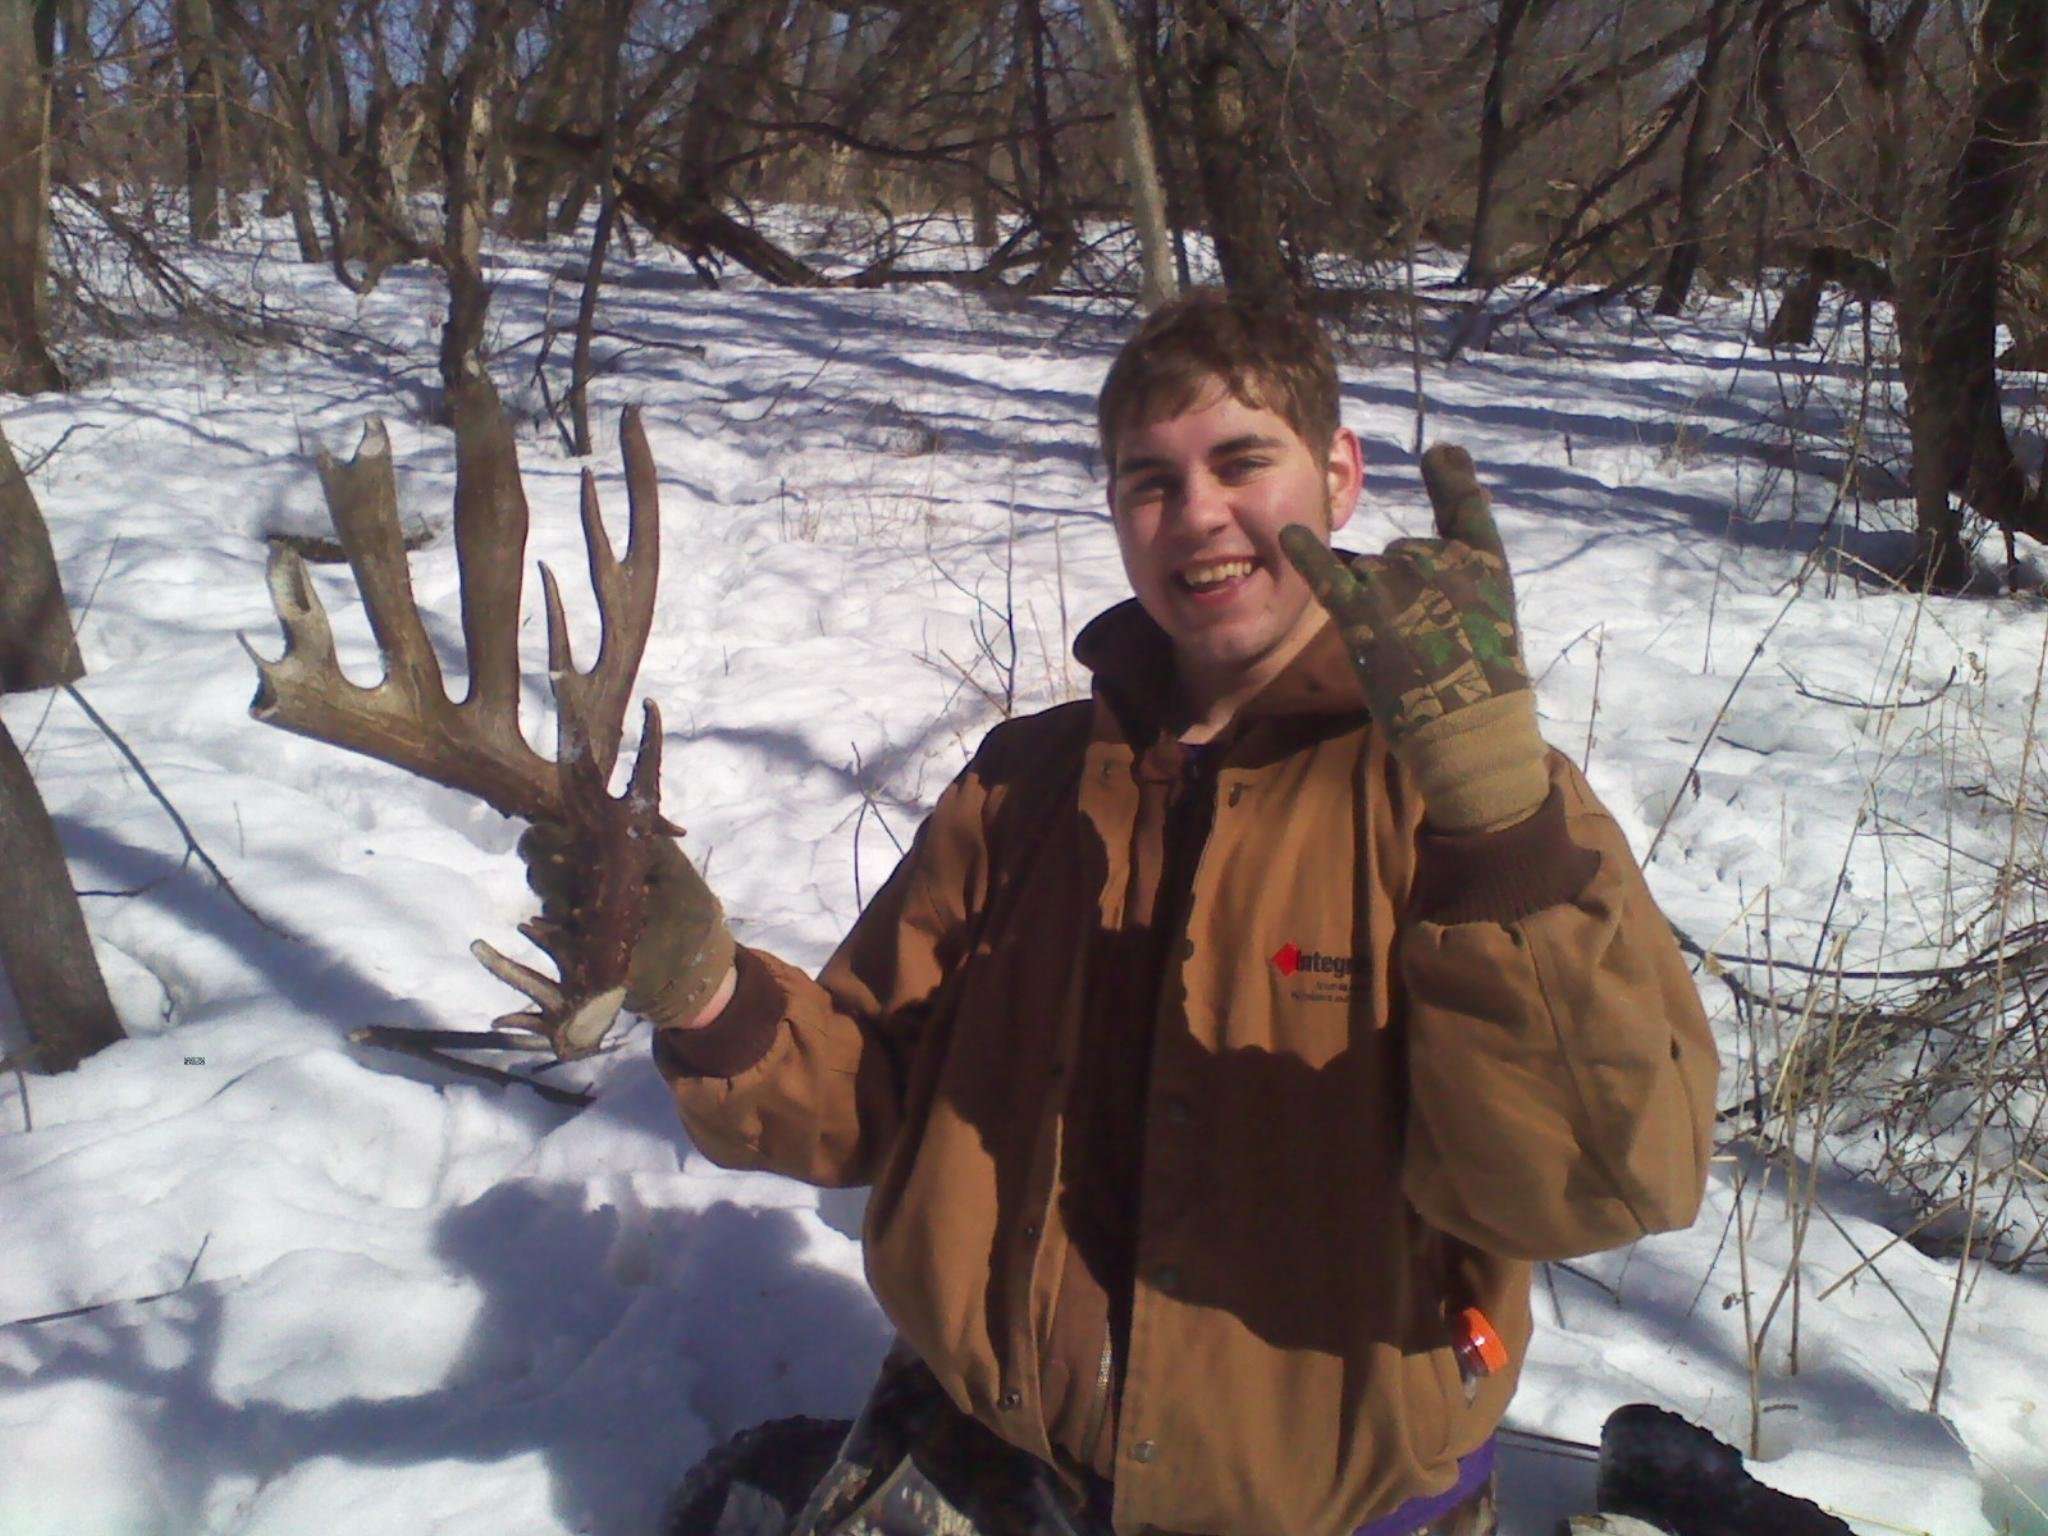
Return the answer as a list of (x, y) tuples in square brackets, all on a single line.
[(1215, 575)]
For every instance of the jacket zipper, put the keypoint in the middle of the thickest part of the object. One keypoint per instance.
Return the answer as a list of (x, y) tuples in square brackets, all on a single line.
[(1197, 797), (1105, 1373)]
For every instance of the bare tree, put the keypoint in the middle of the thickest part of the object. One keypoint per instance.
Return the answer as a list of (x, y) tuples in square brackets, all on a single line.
[(1948, 303), (205, 116), (44, 947), (1697, 164), (1577, 88), (1235, 153), (618, 13), (1483, 255), (26, 39), (1134, 147)]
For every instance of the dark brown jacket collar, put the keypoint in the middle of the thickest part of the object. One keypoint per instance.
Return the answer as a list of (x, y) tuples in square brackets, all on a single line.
[(1132, 660)]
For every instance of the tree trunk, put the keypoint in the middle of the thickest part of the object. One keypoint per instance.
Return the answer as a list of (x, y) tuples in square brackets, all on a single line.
[(1134, 148), (618, 15), (1483, 254), (44, 949), (1696, 168), (291, 187), (1059, 237), (981, 199), (26, 367), (75, 109), (1232, 151), (465, 141), (205, 116), (569, 212), (1798, 309), (534, 181), (1948, 304), (37, 649)]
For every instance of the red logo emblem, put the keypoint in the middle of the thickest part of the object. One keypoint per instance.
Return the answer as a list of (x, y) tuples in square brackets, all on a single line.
[(1287, 959)]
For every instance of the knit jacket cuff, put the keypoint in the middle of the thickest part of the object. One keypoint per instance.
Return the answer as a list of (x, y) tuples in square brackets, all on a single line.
[(734, 1041), (1480, 767), (1499, 876)]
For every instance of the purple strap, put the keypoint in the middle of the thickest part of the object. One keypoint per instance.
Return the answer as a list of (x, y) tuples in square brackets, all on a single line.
[(1418, 1512)]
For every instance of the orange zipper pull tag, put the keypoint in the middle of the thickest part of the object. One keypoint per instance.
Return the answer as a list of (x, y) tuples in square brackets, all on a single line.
[(1478, 1348)]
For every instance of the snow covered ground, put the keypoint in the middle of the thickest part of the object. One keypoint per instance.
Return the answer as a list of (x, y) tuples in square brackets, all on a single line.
[(338, 1290)]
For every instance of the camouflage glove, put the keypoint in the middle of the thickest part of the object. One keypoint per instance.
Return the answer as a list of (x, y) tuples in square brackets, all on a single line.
[(684, 949), (1430, 624)]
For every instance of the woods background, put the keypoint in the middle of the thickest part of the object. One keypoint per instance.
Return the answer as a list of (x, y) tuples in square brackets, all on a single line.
[(1645, 150), (1885, 149)]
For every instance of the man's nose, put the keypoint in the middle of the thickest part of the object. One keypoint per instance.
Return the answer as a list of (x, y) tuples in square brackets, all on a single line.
[(1204, 501)]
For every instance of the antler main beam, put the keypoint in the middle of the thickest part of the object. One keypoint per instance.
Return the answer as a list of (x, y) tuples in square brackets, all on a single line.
[(475, 745)]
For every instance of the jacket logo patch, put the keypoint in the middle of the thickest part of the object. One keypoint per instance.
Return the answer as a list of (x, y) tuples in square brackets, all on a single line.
[(1321, 978)]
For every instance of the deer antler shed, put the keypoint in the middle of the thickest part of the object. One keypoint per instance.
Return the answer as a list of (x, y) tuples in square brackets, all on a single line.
[(408, 720)]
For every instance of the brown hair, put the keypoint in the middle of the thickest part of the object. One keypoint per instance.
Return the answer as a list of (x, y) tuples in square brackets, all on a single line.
[(1272, 359)]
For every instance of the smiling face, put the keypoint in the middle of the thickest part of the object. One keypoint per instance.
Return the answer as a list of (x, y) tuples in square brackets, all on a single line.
[(1199, 500)]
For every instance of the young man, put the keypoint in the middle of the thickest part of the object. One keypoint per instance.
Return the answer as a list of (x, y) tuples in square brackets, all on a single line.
[(1224, 1040)]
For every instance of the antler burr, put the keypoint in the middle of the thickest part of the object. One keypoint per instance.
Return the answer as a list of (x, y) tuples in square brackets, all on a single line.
[(475, 745)]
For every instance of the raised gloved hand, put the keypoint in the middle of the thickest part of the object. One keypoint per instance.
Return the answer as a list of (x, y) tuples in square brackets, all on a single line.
[(684, 950), (1430, 624)]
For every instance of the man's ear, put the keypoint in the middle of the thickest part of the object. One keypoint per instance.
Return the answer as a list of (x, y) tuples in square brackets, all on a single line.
[(1344, 476)]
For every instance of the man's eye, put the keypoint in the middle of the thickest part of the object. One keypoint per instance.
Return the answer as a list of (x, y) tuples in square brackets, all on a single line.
[(1240, 469)]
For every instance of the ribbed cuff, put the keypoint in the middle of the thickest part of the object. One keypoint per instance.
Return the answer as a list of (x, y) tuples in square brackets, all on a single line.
[(1480, 766), (1498, 877), (734, 1041)]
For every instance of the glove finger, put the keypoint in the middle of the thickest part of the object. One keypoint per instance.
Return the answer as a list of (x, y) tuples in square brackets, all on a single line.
[(544, 848), (543, 840), (1333, 584), (1463, 509), (1318, 564)]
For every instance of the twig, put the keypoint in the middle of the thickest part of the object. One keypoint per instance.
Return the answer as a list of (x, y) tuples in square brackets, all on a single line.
[(1415, 345), (126, 1301), (1866, 1260), (1879, 1275), (50, 452), (1593, 1280), (191, 842), (372, 1035), (455, 1039), (77, 629), (2032, 954), (784, 388), (1678, 796), (1599, 655), (2000, 1030), (1834, 698)]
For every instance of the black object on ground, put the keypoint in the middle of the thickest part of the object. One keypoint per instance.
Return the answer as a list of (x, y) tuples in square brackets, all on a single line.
[(754, 1483), (1658, 1467)]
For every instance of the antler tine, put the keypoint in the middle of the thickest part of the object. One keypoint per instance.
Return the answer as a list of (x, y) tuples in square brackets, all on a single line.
[(490, 553), (362, 498), (572, 726), (308, 638), (406, 719), (643, 790), (625, 600)]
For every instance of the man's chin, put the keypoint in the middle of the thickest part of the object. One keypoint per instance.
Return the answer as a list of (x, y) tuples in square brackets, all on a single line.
[(1218, 654)]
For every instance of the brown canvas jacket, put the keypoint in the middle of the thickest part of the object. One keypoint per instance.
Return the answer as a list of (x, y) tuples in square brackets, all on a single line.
[(1390, 1069)]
